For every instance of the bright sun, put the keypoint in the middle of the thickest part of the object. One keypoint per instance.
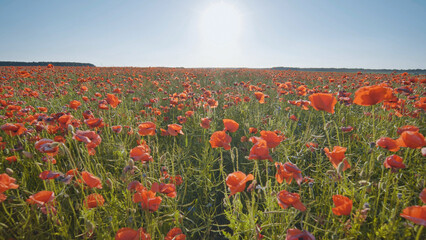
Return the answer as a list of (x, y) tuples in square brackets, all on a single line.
[(220, 28)]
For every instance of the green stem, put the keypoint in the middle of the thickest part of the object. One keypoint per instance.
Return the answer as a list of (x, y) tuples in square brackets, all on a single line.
[(325, 130), (419, 233)]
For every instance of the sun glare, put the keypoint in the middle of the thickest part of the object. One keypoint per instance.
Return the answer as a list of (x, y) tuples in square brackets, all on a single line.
[(220, 28)]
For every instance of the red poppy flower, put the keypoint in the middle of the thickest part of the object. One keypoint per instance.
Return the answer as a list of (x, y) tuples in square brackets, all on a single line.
[(6, 183), (205, 123), (343, 205), (253, 130), (91, 139), (147, 199), (287, 199), (117, 129), (260, 150), (347, 129), (371, 95), (163, 132), (416, 214), (90, 180), (411, 139), (130, 234), (296, 234), (113, 100), (230, 125), (42, 109), (2, 144), (41, 198), (312, 146), (288, 171), (13, 129), (323, 102), (410, 128), (422, 195), (74, 104), (337, 156), (147, 129), (175, 234), (49, 175), (94, 122), (212, 103), (236, 181), (189, 113), (388, 143), (48, 146), (59, 139), (94, 200), (181, 119), (176, 180), (394, 162), (141, 153), (168, 189), (271, 138), (174, 129), (220, 139), (11, 159), (88, 114), (260, 97)]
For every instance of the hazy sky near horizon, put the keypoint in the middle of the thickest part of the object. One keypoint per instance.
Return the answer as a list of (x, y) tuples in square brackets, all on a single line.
[(223, 33)]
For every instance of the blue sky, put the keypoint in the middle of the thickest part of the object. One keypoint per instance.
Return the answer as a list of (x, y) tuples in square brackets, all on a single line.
[(224, 33)]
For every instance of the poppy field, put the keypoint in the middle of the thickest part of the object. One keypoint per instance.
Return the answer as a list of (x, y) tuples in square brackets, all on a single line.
[(169, 153)]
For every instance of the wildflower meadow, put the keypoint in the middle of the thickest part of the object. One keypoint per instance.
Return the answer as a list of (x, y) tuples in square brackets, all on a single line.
[(176, 153)]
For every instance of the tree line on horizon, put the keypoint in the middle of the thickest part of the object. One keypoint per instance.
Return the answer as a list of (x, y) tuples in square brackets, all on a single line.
[(63, 64), (363, 70)]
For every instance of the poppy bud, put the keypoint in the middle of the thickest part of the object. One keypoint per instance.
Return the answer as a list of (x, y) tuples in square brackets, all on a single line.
[(131, 163), (9, 171), (327, 125), (71, 128), (363, 183)]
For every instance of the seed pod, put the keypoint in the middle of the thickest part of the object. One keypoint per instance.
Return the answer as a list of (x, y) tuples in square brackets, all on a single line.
[(27, 154), (9, 171), (71, 128), (131, 163), (364, 183)]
